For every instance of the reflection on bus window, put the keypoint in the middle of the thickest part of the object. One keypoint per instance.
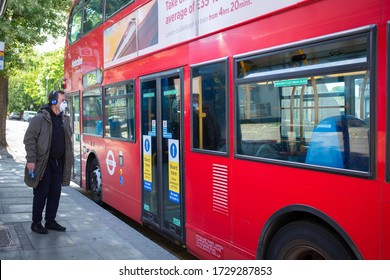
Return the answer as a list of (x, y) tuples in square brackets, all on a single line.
[(92, 112), (75, 21), (209, 92), (171, 107), (319, 119), (313, 57), (119, 111), (93, 14), (113, 6)]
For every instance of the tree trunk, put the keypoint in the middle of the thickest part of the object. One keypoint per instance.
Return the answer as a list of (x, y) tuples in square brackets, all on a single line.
[(3, 109)]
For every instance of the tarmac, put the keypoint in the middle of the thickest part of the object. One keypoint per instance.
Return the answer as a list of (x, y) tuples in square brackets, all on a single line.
[(92, 232)]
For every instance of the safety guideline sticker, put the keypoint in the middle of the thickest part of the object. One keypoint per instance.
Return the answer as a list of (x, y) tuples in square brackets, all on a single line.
[(174, 171), (147, 151)]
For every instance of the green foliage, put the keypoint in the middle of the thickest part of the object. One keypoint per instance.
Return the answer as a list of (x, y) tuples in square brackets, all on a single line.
[(25, 24), (28, 86)]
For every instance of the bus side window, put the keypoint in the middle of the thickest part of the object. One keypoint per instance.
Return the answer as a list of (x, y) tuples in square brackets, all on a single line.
[(119, 107), (209, 93), (113, 6), (294, 105), (74, 28), (93, 14), (92, 112)]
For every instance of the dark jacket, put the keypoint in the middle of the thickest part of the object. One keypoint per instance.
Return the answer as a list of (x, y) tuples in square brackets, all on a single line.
[(37, 141)]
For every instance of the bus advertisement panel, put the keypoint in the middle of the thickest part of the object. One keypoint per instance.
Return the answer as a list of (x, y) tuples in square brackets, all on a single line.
[(160, 24)]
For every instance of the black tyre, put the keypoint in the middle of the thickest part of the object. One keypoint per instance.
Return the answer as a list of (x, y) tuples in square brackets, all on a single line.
[(306, 240), (95, 181)]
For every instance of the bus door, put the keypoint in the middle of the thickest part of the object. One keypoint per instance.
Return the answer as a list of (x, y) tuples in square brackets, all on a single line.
[(162, 188), (74, 113)]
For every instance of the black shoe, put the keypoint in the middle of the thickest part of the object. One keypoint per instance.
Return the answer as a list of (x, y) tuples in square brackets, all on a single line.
[(55, 226), (38, 228)]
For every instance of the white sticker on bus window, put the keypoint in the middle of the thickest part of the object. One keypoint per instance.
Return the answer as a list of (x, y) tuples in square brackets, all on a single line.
[(166, 134), (153, 132)]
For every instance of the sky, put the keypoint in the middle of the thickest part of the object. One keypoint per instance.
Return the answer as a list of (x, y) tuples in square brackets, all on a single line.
[(51, 45)]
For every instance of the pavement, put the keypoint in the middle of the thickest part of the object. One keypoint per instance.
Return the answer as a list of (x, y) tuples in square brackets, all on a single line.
[(92, 232)]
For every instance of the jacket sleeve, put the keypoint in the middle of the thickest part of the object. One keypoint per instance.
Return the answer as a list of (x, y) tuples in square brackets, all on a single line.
[(31, 138), (69, 156)]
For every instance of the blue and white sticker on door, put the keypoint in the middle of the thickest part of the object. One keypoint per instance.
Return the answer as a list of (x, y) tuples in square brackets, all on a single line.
[(166, 134), (147, 151), (174, 171)]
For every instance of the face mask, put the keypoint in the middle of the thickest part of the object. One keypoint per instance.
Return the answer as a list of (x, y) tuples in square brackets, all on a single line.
[(63, 106)]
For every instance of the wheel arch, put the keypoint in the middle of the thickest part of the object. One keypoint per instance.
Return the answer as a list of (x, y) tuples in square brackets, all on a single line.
[(91, 156), (300, 212)]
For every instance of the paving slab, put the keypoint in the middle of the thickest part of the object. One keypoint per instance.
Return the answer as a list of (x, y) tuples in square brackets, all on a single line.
[(93, 233)]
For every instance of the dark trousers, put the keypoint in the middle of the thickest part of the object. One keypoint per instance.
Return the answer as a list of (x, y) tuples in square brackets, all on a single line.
[(48, 192)]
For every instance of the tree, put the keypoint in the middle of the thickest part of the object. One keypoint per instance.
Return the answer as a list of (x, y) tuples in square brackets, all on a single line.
[(28, 87), (26, 23)]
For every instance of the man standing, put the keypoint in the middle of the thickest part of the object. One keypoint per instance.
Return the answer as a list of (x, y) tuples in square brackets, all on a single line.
[(49, 154)]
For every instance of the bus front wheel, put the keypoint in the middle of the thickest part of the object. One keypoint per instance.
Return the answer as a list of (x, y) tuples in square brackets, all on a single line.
[(95, 181), (307, 240)]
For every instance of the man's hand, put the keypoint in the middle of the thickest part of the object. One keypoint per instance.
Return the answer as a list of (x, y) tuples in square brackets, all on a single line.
[(31, 166)]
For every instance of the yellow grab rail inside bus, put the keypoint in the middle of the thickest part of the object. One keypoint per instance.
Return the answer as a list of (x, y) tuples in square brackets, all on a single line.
[(197, 81), (362, 92)]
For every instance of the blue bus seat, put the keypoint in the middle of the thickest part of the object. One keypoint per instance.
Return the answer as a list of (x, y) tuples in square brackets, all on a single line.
[(330, 144)]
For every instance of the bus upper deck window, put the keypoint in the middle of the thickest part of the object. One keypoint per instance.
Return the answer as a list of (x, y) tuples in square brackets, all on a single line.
[(113, 6), (93, 14), (75, 23)]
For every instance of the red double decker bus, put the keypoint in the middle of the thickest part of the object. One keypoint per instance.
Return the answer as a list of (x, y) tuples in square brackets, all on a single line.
[(241, 129)]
